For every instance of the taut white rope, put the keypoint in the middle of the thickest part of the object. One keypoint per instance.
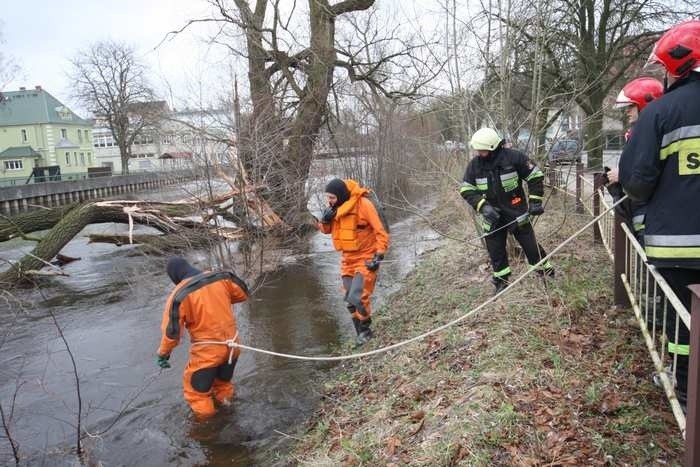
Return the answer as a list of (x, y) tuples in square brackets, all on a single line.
[(432, 331)]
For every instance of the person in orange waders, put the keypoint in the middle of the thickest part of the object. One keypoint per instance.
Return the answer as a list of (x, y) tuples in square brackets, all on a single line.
[(358, 231), (201, 302)]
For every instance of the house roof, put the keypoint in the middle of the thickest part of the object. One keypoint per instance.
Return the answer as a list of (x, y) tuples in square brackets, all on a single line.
[(19, 151), (31, 106)]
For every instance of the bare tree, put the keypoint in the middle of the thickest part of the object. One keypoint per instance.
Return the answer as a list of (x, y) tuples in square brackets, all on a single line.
[(587, 48), (111, 82), (290, 83)]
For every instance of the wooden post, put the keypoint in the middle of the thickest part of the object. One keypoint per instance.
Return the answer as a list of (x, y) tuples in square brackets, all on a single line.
[(579, 188), (621, 263), (692, 430), (598, 182), (552, 178)]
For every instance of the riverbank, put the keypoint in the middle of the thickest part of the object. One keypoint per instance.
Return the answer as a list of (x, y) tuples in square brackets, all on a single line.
[(549, 374)]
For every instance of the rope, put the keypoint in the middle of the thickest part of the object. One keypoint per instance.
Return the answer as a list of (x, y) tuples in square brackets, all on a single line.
[(432, 331), (230, 343)]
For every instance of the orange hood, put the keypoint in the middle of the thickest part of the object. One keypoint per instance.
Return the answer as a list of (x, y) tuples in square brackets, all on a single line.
[(356, 192)]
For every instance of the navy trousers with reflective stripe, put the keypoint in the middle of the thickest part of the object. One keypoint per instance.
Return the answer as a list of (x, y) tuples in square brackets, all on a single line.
[(679, 280), (524, 234)]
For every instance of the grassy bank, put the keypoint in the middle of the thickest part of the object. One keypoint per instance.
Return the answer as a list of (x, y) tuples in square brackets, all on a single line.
[(550, 374)]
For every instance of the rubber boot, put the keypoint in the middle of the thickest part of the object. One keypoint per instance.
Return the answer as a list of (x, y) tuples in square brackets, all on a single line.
[(549, 272), (364, 333), (500, 283), (356, 323)]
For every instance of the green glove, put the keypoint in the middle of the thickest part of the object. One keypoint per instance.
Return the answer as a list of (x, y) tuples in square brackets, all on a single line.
[(163, 361)]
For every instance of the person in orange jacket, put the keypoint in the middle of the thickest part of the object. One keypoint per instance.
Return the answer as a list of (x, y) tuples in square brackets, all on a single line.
[(358, 231), (201, 302)]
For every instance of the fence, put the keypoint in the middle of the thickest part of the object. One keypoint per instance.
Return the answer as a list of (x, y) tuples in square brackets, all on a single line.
[(639, 286)]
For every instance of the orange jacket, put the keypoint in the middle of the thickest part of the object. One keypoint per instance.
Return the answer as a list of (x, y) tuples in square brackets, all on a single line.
[(356, 228), (205, 311)]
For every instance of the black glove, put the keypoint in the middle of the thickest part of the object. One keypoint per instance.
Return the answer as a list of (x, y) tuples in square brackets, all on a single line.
[(536, 208), (163, 361), (327, 215), (491, 215), (374, 264)]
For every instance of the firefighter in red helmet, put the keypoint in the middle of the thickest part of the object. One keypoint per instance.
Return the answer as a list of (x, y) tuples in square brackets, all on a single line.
[(660, 165), (633, 97)]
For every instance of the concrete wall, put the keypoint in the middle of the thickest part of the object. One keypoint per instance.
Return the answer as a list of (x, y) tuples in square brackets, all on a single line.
[(21, 198)]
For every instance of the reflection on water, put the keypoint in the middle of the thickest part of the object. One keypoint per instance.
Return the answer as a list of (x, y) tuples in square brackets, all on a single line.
[(109, 309)]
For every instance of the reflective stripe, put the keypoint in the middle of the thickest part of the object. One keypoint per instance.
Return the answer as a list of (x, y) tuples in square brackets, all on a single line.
[(523, 218), (546, 265), (467, 187), (681, 148), (638, 222), (680, 133), (672, 240), (509, 175), (503, 272), (480, 203), (679, 349), (692, 252), (482, 183), (485, 226), (536, 197), (509, 181), (535, 174)]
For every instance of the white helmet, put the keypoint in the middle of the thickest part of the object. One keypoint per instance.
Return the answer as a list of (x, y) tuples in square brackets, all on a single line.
[(485, 139)]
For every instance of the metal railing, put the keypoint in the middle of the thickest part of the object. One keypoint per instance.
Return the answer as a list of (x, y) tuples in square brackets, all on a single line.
[(656, 308), (639, 285)]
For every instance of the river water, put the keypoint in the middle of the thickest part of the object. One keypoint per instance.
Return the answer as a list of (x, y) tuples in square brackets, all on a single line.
[(109, 309)]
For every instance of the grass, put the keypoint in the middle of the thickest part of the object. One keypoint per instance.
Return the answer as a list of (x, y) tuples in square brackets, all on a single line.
[(549, 374)]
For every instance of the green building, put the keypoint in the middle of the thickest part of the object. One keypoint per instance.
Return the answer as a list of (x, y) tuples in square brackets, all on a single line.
[(38, 131)]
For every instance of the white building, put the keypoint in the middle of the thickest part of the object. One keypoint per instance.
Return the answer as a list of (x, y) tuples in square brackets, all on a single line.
[(180, 140)]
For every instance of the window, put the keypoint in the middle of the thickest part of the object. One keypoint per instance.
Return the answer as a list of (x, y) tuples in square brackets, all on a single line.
[(87, 136), (64, 133), (82, 158), (67, 158), (13, 165), (25, 137), (75, 158), (80, 137), (90, 159)]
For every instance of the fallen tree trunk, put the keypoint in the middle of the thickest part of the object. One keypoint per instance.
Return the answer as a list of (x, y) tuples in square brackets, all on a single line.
[(183, 226), (32, 221)]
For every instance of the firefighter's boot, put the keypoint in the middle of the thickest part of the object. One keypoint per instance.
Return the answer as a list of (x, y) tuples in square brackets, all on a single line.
[(500, 283)]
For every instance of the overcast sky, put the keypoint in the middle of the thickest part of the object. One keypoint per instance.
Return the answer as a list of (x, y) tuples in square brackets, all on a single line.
[(42, 35)]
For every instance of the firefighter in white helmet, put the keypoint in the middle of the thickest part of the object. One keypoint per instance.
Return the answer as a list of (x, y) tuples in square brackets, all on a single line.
[(493, 186)]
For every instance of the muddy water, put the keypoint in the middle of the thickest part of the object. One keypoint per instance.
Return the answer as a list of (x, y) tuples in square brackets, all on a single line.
[(109, 310)]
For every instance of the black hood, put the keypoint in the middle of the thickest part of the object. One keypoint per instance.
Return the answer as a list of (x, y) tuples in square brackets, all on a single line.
[(178, 269), (339, 189)]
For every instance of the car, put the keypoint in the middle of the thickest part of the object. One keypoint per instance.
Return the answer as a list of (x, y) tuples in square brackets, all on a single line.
[(564, 150)]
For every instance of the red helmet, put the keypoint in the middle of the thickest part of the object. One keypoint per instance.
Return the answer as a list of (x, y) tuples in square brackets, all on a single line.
[(639, 92), (678, 50)]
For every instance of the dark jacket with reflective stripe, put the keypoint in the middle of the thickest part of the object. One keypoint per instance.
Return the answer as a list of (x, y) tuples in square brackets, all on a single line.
[(660, 164), (633, 212), (498, 179)]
